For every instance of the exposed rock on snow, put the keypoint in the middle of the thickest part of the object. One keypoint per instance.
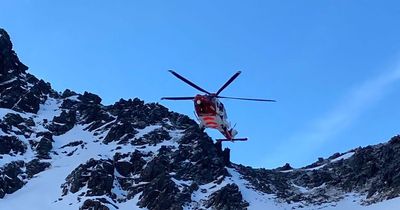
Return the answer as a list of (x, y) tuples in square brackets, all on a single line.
[(228, 197), (11, 145)]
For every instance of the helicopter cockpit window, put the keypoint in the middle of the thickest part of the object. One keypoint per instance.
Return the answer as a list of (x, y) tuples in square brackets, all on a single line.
[(205, 108)]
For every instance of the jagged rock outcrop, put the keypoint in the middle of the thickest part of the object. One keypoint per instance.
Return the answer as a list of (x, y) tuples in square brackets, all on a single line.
[(19, 90), (97, 204), (11, 145), (228, 197), (9, 180), (96, 175)]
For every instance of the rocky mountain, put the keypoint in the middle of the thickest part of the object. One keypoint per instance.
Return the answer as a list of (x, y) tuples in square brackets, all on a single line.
[(69, 151)]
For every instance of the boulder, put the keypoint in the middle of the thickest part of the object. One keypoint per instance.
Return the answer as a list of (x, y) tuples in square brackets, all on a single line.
[(227, 198), (11, 145)]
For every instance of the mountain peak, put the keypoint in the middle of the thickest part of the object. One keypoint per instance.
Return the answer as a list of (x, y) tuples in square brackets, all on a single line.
[(19, 91), (10, 65)]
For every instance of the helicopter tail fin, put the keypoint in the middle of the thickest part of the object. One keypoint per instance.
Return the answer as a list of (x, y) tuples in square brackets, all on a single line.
[(233, 132)]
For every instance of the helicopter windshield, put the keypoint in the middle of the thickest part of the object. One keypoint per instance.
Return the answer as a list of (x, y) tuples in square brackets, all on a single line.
[(204, 107)]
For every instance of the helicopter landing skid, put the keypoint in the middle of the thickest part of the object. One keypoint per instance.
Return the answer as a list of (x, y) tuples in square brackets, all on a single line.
[(232, 140)]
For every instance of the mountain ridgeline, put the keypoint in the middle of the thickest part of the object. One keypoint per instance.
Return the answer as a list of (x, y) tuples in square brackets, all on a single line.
[(132, 155)]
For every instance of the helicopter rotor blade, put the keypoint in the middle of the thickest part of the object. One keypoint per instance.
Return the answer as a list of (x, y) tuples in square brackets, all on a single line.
[(188, 82), (177, 98), (247, 99), (228, 82)]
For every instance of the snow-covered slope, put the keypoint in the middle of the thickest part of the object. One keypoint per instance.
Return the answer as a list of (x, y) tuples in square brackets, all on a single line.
[(68, 151)]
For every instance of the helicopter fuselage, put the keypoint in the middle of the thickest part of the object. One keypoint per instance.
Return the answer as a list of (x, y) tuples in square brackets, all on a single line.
[(212, 114)]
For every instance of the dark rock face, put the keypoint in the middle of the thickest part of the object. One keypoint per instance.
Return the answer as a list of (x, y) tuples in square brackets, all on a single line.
[(162, 193), (9, 180), (35, 96), (90, 98), (123, 129), (228, 197), (35, 166), (44, 146), (68, 93), (285, 167), (153, 138), (18, 90), (74, 144), (131, 167), (97, 175), (9, 59), (13, 119), (157, 167), (90, 204), (63, 123), (11, 145), (15, 124)]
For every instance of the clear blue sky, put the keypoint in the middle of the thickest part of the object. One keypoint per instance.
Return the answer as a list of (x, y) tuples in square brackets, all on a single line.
[(332, 65)]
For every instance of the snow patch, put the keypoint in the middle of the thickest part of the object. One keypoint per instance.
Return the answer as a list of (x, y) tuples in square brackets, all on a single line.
[(8, 81), (343, 157)]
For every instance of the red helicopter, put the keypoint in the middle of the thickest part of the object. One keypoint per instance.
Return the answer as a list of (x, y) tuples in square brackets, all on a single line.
[(210, 111)]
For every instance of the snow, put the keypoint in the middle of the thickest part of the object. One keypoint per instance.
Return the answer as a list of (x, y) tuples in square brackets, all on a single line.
[(301, 189), (181, 184), (73, 98), (287, 171), (316, 168), (343, 157), (148, 129), (48, 110), (38, 193), (4, 111), (8, 81), (352, 202)]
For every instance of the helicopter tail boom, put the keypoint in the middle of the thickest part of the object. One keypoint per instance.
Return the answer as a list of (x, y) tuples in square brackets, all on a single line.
[(232, 140)]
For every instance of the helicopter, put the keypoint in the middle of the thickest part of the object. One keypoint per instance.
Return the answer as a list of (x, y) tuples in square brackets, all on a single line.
[(210, 111)]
